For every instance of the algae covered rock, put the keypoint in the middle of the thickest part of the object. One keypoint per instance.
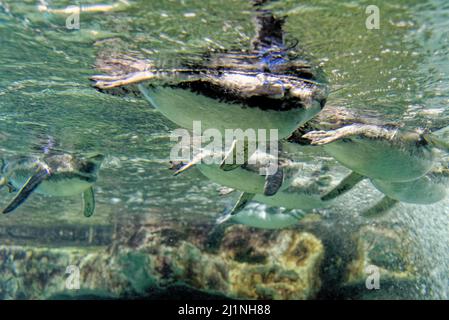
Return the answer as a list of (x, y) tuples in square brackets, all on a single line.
[(36, 273), (383, 268), (250, 264), (383, 248), (283, 265), (150, 259)]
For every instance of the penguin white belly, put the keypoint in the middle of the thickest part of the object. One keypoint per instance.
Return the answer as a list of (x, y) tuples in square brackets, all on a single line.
[(239, 178), (63, 188), (420, 191), (258, 217), (293, 200), (379, 160), (183, 107)]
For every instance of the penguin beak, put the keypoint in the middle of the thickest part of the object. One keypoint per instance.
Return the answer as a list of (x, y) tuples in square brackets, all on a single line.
[(93, 162), (97, 158)]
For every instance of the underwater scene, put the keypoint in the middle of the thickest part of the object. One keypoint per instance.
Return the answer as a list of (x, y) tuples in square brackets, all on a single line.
[(238, 149)]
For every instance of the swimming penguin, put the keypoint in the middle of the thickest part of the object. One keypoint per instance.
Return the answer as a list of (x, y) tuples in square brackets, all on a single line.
[(268, 87), (52, 174), (379, 151)]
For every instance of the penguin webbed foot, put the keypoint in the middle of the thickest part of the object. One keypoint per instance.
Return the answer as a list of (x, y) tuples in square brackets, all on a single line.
[(180, 167), (230, 160), (176, 165), (323, 137), (358, 129), (224, 191), (109, 82)]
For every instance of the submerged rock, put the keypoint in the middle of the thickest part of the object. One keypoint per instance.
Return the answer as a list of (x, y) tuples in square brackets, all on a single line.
[(386, 252), (149, 258), (249, 264), (385, 249)]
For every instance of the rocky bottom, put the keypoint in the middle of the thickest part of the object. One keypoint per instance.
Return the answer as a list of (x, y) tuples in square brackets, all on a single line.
[(164, 261)]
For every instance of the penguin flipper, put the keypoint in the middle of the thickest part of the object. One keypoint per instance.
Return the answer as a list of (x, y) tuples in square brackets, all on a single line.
[(273, 182), (380, 208), (344, 186), (88, 202), (27, 189)]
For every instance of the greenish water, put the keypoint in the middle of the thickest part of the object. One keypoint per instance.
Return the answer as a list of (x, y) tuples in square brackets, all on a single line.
[(400, 72)]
